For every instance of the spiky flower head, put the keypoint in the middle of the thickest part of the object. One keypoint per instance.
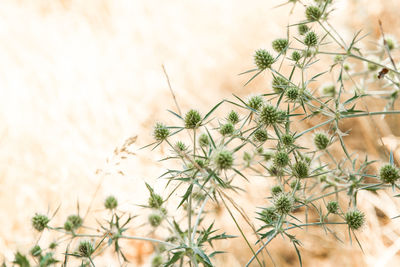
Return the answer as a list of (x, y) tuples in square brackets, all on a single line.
[(192, 119), (332, 207), (73, 222), (261, 135), (292, 94), (155, 219), (255, 102), (313, 13), (300, 169), (204, 140), (279, 84), (281, 159), (36, 251), (180, 146), (110, 203), (223, 159), (355, 219), (269, 115), (303, 29), (389, 174), (85, 249), (40, 221), (268, 215), (263, 59), (280, 45), (296, 56), (321, 140), (233, 117), (155, 201), (283, 203), (227, 129), (311, 39), (277, 189), (161, 132), (287, 139)]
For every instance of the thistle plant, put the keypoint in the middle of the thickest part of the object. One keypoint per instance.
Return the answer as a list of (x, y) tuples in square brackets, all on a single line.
[(258, 136)]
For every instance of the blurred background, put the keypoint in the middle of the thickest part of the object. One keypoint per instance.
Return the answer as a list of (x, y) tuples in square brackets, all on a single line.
[(77, 78)]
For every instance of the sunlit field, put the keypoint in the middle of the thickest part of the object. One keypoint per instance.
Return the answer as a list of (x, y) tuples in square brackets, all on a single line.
[(79, 78)]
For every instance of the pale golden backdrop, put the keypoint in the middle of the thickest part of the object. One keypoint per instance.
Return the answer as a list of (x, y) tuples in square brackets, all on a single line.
[(78, 77)]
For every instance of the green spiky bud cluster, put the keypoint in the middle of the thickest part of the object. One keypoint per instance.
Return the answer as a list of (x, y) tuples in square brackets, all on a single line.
[(277, 189), (389, 174), (292, 94), (155, 219), (73, 222), (233, 117), (311, 39), (85, 249), (329, 90), (296, 56), (263, 59), (180, 147), (261, 135), (268, 215), (287, 139), (204, 140), (300, 169), (332, 207), (270, 115), (157, 261), (161, 132), (227, 129), (280, 45), (355, 219), (155, 201), (303, 29), (279, 84), (247, 157), (283, 203), (192, 119), (40, 221), (321, 141), (281, 159), (36, 251), (255, 102), (313, 13), (110, 203), (223, 159)]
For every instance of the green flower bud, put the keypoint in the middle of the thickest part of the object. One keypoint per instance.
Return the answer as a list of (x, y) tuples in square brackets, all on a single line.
[(268, 215), (280, 45), (311, 39), (40, 221), (261, 135), (255, 102), (281, 159), (192, 119), (328, 90), (223, 159), (36, 251), (227, 129), (155, 201), (279, 84), (157, 261), (287, 139), (295, 185), (269, 115), (110, 203), (275, 171), (300, 169), (292, 94), (204, 140), (283, 203), (155, 219), (332, 207), (85, 249), (233, 117), (355, 219), (389, 174), (161, 132), (321, 141), (263, 59), (303, 29), (313, 13), (73, 222), (296, 56), (276, 190)]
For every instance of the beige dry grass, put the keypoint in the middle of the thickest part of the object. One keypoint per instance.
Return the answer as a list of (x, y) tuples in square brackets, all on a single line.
[(79, 77)]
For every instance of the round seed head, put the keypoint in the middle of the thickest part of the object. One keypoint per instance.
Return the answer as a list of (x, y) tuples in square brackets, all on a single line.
[(332, 207), (36, 251), (53, 245), (303, 29), (233, 117), (276, 190), (292, 94), (223, 159), (328, 90), (85, 249), (263, 59), (255, 102), (155, 201), (73, 222), (321, 141), (268, 215), (338, 59), (311, 39), (296, 56), (283, 203), (161, 132), (227, 129), (279, 84), (389, 174), (281, 159), (203, 140), (280, 45), (300, 169), (269, 115), (192, 119), (40, 221), (261, 135), (355, 219), (313, 13), (155, 220), (287, 139), (110, 203)]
